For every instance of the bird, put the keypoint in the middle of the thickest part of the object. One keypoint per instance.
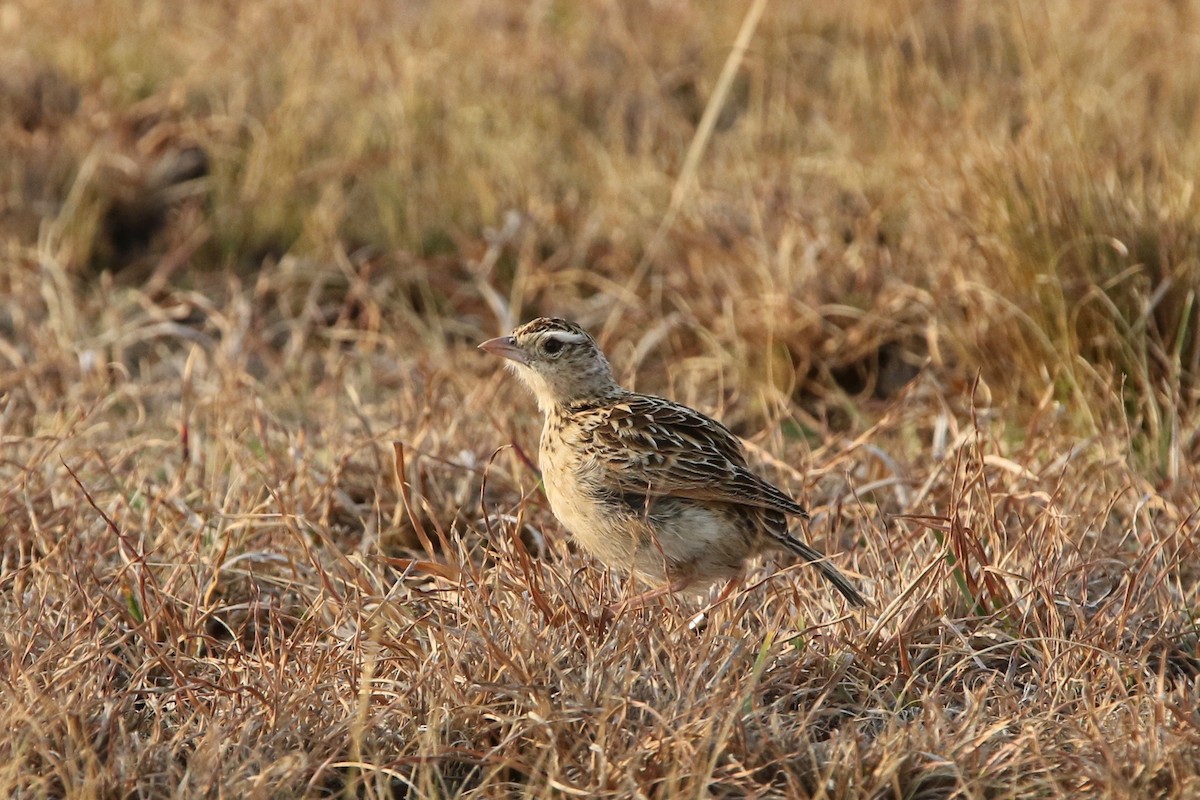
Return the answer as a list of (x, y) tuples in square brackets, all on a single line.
[(646, 485)]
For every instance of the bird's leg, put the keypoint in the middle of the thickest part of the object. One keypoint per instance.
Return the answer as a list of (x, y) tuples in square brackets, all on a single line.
[(642, 600), (734, 584)]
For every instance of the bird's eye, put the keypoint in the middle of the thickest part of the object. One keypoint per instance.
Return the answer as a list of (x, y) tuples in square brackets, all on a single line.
[(553, 346)]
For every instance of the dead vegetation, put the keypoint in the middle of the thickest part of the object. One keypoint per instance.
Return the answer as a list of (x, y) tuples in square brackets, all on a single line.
[(268, 523)]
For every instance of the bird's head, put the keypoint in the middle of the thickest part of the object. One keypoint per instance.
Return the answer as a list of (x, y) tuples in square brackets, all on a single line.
[(558, 360)]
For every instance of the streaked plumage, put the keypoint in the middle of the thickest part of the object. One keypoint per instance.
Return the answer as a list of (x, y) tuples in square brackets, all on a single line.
[(642, 483)]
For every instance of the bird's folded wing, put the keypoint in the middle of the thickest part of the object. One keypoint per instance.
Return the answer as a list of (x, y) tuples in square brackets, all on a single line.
[(660, 448)]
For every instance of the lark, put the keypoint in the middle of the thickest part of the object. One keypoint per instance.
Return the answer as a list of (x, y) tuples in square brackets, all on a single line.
[(646, 485)]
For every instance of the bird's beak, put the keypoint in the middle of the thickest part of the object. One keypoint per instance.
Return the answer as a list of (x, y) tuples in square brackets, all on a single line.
[(505, 347)]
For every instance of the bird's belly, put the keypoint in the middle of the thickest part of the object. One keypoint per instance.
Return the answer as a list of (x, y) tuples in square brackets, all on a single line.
[(694, 543), (600, 529), (675, 539)]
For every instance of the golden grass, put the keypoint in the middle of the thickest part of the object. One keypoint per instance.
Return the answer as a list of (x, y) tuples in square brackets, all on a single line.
[(268, 526)]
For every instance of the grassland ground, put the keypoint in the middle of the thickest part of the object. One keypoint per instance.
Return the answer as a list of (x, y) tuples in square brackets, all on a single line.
[(270, 525)]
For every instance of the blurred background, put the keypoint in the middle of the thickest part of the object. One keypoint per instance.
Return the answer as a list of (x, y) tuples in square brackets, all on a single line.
[(1003, 190)]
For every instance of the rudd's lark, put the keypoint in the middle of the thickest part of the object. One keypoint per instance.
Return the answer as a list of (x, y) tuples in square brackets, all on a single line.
[(644, 484)]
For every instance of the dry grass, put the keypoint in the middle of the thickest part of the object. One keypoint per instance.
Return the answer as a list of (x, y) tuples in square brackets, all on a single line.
[(267, 523)]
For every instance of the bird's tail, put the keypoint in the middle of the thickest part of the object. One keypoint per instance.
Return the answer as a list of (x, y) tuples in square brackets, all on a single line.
[(814, 557)]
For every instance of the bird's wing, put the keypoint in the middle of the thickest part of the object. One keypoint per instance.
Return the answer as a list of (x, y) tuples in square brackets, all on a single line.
[(660, 448)]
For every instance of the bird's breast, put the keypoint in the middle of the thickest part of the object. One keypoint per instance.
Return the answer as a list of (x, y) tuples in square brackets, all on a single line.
[(584, 506)]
